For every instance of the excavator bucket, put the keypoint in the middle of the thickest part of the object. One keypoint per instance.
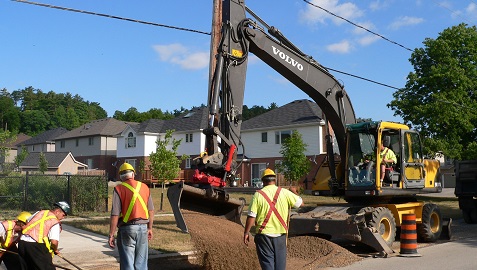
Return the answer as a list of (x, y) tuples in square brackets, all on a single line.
[(211, 201)]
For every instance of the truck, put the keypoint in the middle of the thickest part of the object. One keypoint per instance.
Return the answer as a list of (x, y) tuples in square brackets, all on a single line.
[(374, 208), (466, 188)]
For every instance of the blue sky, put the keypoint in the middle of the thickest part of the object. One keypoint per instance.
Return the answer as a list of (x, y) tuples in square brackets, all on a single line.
[(122, 64)]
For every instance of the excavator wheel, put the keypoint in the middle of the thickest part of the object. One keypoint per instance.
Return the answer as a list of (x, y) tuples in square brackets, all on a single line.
[(383, 221), (431, 227)]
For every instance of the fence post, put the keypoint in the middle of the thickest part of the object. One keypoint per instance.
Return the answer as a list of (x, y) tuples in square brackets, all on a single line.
[(68, 192), (25, 192)]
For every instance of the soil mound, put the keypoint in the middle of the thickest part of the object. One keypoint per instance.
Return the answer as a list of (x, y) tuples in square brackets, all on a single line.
[(219, 245)]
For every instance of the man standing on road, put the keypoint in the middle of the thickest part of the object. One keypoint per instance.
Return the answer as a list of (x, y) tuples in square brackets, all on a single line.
[(132, 213), (10, 231), (41, 236), (269, 211)]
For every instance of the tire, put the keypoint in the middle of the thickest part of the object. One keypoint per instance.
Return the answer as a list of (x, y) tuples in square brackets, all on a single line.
[(383, 221), (431, 227)]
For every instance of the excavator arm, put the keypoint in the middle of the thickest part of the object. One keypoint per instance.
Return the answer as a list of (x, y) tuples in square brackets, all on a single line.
[(241, 36), (217, 165)]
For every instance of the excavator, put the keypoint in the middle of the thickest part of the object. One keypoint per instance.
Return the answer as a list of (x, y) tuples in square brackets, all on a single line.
[(374, 208)]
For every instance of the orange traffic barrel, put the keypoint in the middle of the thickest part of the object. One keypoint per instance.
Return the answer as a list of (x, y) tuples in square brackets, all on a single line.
[(409, 236)]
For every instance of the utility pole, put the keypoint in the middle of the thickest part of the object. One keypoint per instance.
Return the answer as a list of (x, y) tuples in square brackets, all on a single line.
[(215, 37)]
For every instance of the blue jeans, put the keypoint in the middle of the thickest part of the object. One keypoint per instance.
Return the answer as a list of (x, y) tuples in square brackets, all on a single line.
[(133, 247), (271, 251)]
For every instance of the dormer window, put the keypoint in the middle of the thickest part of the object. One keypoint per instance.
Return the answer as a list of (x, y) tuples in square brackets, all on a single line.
[(130, 140)]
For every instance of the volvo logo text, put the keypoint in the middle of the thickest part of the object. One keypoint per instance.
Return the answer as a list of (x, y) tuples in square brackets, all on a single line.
[(287, 58)]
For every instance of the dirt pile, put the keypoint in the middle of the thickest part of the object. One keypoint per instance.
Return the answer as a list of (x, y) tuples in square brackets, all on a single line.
[(219, 244)]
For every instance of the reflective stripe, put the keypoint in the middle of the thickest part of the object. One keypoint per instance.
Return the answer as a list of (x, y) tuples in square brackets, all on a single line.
[(136, 196), (272, 209), (9, 233), (38, 227)]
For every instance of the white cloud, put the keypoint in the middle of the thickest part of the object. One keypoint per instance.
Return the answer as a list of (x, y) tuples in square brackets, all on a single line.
[(361, 31), (180, 55), (367, 40), (471, 11), (347, 10), (379, 5), (405, 21), (341, 47)]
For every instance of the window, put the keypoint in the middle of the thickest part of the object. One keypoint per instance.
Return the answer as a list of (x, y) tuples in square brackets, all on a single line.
[(264, 136), (281, 136), (189, 137), (130, 140), (33, 148), (257, 170), (187, 163), (132, 162), (91, 141), (62, 144), (77, 142), (89, 162)]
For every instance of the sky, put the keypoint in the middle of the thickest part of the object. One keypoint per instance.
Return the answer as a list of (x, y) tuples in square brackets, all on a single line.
[(122, 64)]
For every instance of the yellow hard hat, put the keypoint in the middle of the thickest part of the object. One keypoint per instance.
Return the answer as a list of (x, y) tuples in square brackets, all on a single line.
[(23, 216), (268, 172), (126, 167)]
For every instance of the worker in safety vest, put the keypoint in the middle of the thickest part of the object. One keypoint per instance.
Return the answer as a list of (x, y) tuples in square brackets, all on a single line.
[(268, 211), (10, 231), (132, 213), (41, 236)]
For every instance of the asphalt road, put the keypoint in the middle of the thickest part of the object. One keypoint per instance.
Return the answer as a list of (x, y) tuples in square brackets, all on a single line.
[(458, 253)]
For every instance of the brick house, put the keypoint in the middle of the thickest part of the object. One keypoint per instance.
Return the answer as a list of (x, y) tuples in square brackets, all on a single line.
[(94, 144), (137, 141), (263, 135)]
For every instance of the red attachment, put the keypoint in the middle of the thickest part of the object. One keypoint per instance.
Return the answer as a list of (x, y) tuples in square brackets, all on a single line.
[(202, 178), (229, 159)]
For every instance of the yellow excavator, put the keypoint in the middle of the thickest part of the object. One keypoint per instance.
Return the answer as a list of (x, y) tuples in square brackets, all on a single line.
[(374, 207)]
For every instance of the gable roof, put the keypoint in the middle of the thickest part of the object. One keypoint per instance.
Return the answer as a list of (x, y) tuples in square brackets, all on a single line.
[(19, 138), (45, 137), (54, 159), (298, 112), (102, 127), (192, 120)]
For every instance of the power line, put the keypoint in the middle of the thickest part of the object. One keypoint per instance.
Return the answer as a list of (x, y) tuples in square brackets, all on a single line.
[(112, 16), (177, 28), (357, 25), (451, 11)]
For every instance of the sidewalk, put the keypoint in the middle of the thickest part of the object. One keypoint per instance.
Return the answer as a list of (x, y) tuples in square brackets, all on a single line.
[(85, 249)]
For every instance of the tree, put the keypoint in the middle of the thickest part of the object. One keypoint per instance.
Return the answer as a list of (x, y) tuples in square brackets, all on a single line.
[(5, 137), (165, 165), (295, 164), (21, 156), (440, 96), (42, 163)]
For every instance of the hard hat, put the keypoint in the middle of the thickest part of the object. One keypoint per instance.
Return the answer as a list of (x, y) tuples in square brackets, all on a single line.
[(268, 172), (23, 216), (126, 167), (64, 206)]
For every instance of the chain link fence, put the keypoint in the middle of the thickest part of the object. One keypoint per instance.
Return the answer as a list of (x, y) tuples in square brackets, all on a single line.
[(32, 192)]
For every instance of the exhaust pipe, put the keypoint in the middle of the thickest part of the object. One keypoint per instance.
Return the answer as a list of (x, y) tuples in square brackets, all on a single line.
[(211, 201)]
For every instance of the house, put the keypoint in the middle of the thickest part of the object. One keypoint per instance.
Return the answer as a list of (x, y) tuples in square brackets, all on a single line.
[(7, 161), (262, 137), (44, 142), (94, 143), (137, 141), (58, 163)]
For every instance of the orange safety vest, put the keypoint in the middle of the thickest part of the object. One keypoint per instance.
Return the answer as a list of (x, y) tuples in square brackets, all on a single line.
[(9, 233), (39, 226), (134, 196)]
